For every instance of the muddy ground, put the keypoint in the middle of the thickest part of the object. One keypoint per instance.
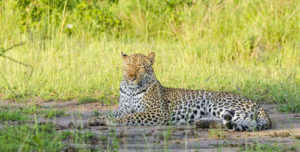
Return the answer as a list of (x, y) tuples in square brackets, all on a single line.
[(285, 132)]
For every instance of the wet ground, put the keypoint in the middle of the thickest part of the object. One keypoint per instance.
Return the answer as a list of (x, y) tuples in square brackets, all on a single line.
[(285, 132)]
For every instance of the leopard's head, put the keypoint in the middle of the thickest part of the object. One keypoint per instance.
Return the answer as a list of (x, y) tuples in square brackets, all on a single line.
[(137, 68)]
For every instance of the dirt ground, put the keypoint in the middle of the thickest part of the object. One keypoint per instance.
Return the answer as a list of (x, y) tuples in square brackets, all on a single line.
[(285, 132)]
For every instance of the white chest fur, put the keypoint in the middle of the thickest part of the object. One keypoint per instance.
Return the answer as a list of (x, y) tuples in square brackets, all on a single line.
[(130, 99)]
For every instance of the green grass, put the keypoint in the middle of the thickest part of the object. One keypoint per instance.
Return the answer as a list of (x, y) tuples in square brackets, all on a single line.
[(293, 107), (216, 134), (35, 136), (53, 113), (246, 47), (25, 138), (87, 100), (269, 148), (8, 115), (84, 135), (26, 113)]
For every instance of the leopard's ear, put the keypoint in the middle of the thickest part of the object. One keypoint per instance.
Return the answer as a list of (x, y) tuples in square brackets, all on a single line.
[(123, 55), (151, 57)]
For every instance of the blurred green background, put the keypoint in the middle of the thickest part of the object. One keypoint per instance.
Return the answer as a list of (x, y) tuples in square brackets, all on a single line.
[(249, 47)]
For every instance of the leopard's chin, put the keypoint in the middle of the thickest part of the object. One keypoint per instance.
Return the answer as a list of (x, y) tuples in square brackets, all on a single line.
[(132, 85)]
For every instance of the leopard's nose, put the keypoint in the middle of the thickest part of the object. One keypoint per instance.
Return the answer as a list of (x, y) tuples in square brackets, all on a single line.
[(132, 79)]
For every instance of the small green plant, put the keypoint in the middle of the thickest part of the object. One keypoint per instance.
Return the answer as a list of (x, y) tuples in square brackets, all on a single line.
[(167, 135), (216, 134), (66, 135), (115, 146), (96, 113)]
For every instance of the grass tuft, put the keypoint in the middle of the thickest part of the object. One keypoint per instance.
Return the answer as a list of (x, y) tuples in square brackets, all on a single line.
[(26, 138), (86, 100), (53, 113), (269, 148), (7, 115), (290, 107)]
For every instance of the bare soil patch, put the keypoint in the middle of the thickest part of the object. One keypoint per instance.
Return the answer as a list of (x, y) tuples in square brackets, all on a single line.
[(285, 132)]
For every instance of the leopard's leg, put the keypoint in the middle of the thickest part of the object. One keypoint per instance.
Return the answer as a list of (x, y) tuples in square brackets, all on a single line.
[(100, 120), (208, 121), (146, 118)]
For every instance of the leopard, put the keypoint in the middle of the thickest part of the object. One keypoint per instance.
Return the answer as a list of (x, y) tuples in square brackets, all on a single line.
[(144, 101)]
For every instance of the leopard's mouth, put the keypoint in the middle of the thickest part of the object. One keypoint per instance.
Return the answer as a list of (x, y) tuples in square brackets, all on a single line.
[(134, 84)]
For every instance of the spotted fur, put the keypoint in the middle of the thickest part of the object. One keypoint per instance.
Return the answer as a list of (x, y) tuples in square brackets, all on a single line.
[(144, 101)]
